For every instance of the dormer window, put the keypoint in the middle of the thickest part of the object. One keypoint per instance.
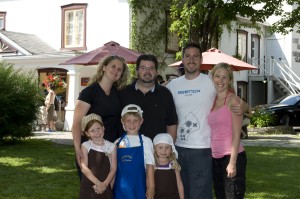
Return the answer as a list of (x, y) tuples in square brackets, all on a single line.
[(74, 27), (2, 20)]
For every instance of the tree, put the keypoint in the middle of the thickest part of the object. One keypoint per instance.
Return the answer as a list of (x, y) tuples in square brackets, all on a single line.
[(197, 20), (206, 19), (289, 20), (20, 98)]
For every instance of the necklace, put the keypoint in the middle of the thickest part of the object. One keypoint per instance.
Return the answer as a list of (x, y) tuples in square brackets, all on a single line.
[(99, 146)]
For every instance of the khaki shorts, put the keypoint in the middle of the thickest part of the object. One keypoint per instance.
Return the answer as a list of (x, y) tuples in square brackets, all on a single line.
[(50, 112)]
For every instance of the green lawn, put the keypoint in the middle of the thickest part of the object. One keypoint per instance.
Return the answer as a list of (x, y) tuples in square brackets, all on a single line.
[(273, 172), (38, 169)]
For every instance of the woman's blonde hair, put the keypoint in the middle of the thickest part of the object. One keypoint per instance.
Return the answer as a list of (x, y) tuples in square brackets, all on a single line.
[(227, 67), (104, 62), (173, 161)]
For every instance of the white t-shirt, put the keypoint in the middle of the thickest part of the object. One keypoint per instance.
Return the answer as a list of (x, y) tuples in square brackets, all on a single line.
[(193, 100), (107, 148), (134, 141)]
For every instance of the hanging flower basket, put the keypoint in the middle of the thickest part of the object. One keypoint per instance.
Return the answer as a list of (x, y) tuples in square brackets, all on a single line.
[(57, 82)]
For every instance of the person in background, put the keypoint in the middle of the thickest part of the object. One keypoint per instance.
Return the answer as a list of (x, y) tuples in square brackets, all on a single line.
[(180, 70), (49, 103), (42, 117), (246, 121), (229, 157), (99, 162), (101, 98), (168, 183), (135, 171), (194, 94), (160, 79), (155, 100)]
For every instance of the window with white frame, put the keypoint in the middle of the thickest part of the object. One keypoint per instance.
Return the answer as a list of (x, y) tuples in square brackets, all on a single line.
[(74, 26), (2, 20), (242, 44)]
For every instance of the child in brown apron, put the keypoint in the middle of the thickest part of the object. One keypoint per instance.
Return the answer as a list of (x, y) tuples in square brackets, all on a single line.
[(99, 164), (168, 183)]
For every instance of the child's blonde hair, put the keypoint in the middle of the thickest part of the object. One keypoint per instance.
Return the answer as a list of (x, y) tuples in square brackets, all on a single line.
[(166, 138), (173, 161)]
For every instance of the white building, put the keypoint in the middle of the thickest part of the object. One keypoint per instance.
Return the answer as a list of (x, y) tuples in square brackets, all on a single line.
[(54, 31), (38, 35)]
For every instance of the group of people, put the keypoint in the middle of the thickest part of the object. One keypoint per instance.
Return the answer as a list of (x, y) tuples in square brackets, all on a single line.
[(142, 129)]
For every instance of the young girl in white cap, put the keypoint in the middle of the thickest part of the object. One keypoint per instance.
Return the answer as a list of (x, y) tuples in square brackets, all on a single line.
[(99, 162), (168, 183)]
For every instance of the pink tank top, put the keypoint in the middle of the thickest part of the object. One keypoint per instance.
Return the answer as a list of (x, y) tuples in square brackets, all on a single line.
[(220, 122)]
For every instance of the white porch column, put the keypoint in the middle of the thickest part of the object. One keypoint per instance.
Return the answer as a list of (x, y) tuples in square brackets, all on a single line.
[(73, 92)]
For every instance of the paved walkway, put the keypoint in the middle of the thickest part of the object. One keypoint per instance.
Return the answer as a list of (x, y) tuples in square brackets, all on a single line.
[(64, 137), (253, 139), (272, 140)]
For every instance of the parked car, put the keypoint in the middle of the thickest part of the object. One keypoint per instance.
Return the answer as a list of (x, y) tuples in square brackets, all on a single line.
[(286, 109)]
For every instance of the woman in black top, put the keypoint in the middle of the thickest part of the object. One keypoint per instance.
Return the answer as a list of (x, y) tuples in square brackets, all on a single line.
[(101, 98)]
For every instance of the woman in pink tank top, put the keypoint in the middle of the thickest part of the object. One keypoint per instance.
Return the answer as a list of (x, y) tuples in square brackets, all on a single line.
[(229, 157)]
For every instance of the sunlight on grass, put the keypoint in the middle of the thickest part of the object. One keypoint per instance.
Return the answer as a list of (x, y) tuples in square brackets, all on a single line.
[(47, 170), (15, 162), (38, 169), (265, 195)]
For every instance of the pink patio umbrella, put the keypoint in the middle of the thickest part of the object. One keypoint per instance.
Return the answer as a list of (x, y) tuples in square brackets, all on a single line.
[(214, 56), (111, 48)]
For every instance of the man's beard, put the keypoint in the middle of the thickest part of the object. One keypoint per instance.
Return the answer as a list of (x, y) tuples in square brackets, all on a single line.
[(152, 80), (191, 71)]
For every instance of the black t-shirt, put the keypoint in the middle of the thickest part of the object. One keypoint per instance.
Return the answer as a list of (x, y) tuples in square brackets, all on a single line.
[(108, 107), (158, 108)]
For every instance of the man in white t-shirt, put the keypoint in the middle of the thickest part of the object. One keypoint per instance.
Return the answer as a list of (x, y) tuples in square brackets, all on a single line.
[(194, 95)]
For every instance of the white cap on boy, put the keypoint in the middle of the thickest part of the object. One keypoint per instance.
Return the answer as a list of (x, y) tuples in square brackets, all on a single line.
[(132, 108), (166, 139)]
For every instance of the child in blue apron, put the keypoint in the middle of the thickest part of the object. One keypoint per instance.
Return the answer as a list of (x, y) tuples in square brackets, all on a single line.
[(99, 163), (135, 160), (168, 183)]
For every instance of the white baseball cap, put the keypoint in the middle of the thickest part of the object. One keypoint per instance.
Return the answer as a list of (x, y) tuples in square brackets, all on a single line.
[(132, 108), (165, 138)]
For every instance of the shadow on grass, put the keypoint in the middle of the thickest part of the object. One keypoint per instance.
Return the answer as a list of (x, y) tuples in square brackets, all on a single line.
[(42, 169), (38, 169), (272, 172)]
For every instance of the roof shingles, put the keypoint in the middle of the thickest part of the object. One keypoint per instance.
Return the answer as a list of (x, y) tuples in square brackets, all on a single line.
[(29, 42)]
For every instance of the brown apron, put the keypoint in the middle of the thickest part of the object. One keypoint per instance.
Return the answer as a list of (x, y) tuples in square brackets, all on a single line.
[(166, 184), (99, 164)]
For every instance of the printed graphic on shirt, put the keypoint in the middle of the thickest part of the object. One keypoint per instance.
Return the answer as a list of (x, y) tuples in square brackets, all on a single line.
[(188, 92), (190, 125), (125, 143)]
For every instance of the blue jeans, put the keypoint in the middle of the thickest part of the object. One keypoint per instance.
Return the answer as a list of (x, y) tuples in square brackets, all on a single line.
[(196, 172), (225, 187)]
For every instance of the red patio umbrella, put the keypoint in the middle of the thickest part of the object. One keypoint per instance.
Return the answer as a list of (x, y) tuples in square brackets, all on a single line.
[(111, 48), (214, 56)]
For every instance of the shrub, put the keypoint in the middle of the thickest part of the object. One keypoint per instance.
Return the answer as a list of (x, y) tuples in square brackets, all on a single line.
[(20, 99), (262, 118)]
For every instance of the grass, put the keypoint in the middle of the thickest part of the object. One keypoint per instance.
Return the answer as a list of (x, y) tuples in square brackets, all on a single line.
[(38, 169), (273, 172)]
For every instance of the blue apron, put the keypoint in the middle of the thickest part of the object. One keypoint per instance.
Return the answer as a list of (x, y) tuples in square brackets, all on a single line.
[(130, 180)]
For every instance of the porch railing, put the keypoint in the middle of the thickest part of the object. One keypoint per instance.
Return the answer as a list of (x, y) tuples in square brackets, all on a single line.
[(279, 72)]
